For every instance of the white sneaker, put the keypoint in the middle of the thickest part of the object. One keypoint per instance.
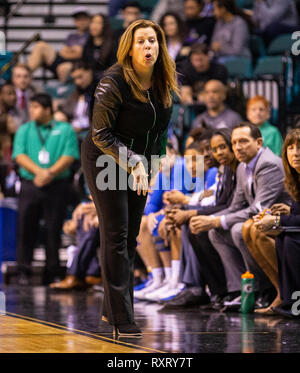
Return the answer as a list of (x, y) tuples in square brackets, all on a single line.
[(154, 295), (172, 292), (234, 302), (151, 286)]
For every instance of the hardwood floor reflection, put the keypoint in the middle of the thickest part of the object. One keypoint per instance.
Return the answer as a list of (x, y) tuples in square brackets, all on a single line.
[(189, 330)]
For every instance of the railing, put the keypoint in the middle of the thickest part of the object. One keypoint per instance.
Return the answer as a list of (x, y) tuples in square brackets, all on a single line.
[(16, 55), (8, 13)]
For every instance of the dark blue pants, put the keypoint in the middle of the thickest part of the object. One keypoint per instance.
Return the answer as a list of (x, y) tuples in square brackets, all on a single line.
[(85, 262)]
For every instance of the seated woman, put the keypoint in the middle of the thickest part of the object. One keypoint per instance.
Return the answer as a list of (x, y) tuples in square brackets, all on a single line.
[(175, 32), (258, 113), (98, 49), (231, 34), (288, 241)]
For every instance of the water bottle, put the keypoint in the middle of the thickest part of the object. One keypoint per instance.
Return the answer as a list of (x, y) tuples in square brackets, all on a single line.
[(247, 287)]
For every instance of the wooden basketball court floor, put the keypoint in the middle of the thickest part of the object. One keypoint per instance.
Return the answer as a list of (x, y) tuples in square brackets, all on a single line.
[(38, 320)]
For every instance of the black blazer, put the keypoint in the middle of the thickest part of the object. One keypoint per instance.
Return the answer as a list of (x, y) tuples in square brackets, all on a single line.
[(120, 120), (223, 197)]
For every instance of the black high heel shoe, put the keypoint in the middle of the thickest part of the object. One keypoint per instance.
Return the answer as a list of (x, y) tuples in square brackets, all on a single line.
[(127, 330)]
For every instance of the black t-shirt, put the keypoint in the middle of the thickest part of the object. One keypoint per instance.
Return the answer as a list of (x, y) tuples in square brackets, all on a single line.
[(200, 29), (94, 55), (189, 76)]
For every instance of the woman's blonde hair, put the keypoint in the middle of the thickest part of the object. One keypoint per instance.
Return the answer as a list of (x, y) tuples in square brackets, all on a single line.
[(164, 78)]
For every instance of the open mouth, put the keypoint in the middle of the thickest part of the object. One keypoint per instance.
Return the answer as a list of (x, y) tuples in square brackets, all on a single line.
[(148, 56)]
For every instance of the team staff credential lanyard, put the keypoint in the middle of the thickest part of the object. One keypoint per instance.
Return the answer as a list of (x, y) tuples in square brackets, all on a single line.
[(44, 156)]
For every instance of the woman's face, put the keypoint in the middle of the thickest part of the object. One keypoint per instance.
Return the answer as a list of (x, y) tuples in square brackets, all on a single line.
[(293, 156), (221, 150), (145, 49), (96, 26), (170, 26)]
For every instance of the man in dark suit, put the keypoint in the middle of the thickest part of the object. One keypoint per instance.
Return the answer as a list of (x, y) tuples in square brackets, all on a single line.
[(259, 185)]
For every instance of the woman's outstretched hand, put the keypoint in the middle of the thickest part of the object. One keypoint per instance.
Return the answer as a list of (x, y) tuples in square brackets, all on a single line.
[(140, 179)]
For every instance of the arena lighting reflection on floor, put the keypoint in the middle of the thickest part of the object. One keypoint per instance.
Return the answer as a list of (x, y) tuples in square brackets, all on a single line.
[(189, 330)]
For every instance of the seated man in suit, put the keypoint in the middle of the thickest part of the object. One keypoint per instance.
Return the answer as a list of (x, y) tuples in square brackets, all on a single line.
[(259, 184)]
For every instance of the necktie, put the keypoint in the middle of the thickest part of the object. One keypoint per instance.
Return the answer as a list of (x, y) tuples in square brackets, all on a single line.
[(23, 101)]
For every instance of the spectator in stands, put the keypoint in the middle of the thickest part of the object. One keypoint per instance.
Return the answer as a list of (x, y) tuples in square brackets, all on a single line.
[(175, 33), (8, 109), (231, 34), (258, 113), (114, 6), (259, 184), (163, 6), (287, 243), (200, 264), (83, 268), (199, 29), (274, 17), (44, 149), (131, 12), (198, 69), (60, 116), (217, 114), (10, 119), (60, 63), (21, 79), (98, 50), (77, 107)]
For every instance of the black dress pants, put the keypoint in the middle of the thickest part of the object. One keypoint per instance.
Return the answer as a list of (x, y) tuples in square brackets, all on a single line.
[(288, 254), (212, 269), (34, 203), (119, 213)]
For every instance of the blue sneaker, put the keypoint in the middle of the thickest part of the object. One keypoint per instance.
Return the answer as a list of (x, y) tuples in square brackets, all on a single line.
[(144, 283)]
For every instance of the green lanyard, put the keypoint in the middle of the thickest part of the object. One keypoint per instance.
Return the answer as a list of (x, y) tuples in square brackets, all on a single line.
[(42, 139)]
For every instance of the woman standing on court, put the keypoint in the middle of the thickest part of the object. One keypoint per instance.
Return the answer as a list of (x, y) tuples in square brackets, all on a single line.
[(131, 113)]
